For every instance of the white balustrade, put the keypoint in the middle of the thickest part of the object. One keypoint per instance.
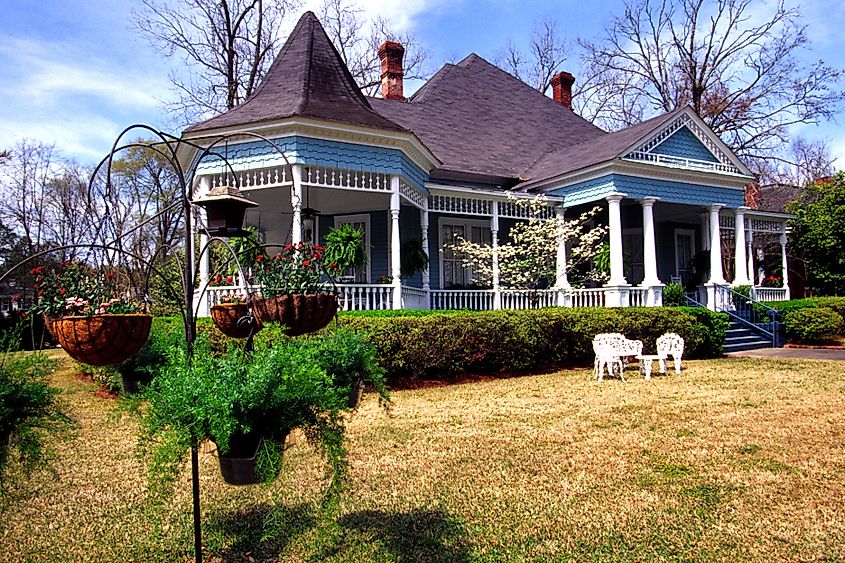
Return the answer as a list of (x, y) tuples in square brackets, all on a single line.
[(766, 294), (414, 298), (638, 296), (593, 297), (528, 298), (475, 299), (365, 297)]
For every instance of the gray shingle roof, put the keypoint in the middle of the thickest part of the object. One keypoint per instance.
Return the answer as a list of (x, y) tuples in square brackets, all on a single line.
[(600, 149), (308, 79), (478, 119)]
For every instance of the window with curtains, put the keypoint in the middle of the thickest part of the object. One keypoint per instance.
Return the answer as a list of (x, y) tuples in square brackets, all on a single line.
[(453, 273)]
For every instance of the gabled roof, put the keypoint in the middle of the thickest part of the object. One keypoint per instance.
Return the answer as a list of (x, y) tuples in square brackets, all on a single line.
[(607, 147), (307, 79), (478, 119)]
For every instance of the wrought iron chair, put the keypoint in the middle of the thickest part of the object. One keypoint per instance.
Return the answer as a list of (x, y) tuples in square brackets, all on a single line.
[(670, 344)]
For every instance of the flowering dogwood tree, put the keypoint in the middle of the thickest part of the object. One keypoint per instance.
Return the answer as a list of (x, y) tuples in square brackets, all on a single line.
[(528, 259)]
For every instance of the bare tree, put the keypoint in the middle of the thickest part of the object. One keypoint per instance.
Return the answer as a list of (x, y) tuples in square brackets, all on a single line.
[(226, 47), (357, 41), (547, 51), (25, 184), (740, 72)]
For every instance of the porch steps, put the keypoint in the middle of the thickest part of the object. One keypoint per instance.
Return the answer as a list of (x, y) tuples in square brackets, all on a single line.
[(739, 337)]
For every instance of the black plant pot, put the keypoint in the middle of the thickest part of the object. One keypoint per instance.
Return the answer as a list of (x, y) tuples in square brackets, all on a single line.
[(238, 466), (355, 393), (132, 383)]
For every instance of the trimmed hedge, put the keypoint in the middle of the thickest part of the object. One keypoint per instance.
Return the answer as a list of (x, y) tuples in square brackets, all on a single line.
[(790, 308), (816, 324), (447, 345)]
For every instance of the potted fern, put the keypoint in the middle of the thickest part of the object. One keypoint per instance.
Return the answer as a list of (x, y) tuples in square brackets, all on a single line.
[(245, 404)]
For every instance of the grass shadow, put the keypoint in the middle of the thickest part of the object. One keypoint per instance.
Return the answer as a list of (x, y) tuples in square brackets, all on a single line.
[(416, 535), (260, 532)]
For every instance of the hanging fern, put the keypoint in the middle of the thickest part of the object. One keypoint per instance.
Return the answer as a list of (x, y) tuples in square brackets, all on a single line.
[(345, 247)]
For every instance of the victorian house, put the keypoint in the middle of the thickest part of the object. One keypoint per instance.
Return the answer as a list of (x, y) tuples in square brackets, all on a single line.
[(313, 152)]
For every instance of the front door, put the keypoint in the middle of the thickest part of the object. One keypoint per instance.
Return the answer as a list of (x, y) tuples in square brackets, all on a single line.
[(684, 254)]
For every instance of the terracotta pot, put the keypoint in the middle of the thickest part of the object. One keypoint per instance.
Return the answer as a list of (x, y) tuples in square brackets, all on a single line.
[(228, 318), (102, 340), (301, 314)]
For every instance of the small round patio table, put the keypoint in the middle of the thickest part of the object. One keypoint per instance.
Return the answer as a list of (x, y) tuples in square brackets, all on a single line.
[(646, 362)]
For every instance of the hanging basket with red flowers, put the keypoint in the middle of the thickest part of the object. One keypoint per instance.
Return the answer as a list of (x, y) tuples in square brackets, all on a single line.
[(294, 289), (92, 316)]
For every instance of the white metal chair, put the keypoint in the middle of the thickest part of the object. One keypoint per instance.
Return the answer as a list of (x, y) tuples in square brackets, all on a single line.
[(670, 344), (608, 349)]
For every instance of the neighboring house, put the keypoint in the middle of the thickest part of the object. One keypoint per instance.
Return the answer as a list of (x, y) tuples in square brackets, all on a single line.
[(441, 164)]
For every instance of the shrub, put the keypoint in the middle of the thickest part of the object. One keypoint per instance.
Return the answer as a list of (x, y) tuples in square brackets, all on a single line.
[(813, 324), (673, 295), (835, 303), (446, 345), (28, 412)]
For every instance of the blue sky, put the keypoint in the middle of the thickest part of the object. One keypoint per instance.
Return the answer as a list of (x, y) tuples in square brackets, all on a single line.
[(75, 73)]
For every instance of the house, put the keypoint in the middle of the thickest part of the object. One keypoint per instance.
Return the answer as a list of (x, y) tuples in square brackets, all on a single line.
[(313, 152)]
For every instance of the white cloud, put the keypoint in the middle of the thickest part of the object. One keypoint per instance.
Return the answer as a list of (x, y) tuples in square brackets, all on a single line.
[(55, 94), (400, 15)]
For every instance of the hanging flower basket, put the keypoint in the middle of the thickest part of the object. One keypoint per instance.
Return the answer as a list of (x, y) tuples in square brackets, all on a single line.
[(301, 314), (238, 466), (102, 340), (231, 319)]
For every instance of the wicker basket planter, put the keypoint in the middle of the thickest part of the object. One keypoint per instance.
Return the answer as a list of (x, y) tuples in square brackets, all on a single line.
[(301, 314), (227, 317), (102, 340)]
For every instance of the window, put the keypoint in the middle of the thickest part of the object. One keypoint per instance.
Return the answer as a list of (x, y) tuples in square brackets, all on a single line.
[(362, 222), (684, 253), (453, 273)]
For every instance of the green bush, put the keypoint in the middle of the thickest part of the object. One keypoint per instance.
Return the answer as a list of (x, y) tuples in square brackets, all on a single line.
[(673, 295), (28, 412), (835, 303), (813, 324), (445, 345)]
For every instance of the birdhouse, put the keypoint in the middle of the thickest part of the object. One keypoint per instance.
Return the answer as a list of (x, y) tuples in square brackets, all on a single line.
[(224, 208)]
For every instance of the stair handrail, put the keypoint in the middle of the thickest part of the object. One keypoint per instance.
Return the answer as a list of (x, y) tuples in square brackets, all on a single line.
[(750, 312)]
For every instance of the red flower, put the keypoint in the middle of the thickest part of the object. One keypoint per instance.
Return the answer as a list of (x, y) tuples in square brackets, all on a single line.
[(305, 263), (316, 256), (259, 258), (217, 278), (110, 275), (62, 291), (288, 247), (228, 279)]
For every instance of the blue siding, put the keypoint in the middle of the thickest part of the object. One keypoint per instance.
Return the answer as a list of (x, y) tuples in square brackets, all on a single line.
[(638, 188), (305, 150), (685, 144)]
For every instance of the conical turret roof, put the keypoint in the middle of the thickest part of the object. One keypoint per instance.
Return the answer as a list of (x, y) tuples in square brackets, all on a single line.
[(307, 79)]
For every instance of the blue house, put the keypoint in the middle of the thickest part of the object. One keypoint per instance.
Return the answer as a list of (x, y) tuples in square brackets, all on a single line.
[(313, 152)]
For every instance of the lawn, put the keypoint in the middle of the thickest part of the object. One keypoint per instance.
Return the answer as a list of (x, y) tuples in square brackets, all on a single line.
[(733, 459)]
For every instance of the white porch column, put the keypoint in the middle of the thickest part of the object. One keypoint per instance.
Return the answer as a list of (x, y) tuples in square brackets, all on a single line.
[(395, 245), (296, 204), (426, 273), (716, 275), (651, 281), (494, 237), (616, 294), (740, 259), (564, 297), (202, 223), (714, 295), (750, 254), (784, 264)]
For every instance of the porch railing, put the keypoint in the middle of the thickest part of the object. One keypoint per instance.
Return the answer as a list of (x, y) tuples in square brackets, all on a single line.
[(592, 297), (766, 294), (528, 298), (748, 312), (637, 297), (475, 299), (365, 297), (414, 298)]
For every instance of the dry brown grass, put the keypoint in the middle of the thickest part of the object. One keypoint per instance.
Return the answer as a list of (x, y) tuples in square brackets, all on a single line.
[(733, 459)]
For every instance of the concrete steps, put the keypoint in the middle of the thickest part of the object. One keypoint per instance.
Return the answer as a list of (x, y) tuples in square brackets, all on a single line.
[(739, 337)]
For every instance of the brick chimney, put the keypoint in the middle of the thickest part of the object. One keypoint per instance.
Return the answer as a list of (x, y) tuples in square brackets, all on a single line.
[(391, 54), (562, 88), (752, 195)]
